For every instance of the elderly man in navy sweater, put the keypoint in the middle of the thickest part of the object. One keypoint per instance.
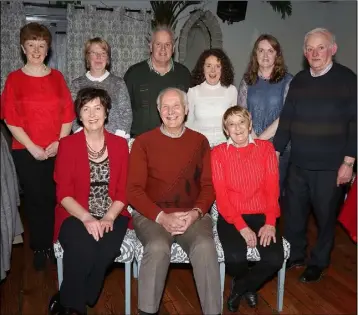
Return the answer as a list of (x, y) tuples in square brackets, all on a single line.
[(320, 119)]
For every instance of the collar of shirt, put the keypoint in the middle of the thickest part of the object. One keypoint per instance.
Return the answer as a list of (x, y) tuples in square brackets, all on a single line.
[(151, 67), (99, 79), (324, 71), (229, 141), (166, 133)]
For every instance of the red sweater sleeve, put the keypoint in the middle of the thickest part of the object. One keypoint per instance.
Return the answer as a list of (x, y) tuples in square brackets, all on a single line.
[(226, 209), (9, 106), (122, 178), (207, 193), (68, 109), (137, 179), (272, 190), (64, 171)]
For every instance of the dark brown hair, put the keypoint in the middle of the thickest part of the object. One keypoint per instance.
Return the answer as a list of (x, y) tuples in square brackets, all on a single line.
[(279, 69), (35, 31), (227, 70), (86, 95)]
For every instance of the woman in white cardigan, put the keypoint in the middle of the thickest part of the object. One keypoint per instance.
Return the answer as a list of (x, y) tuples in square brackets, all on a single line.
[(212, 94)]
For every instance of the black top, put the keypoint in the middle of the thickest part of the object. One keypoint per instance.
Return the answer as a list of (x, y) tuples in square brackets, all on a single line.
[(320, 119), (144, 85)]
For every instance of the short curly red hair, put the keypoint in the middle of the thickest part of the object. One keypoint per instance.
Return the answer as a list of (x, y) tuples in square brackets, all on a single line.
[(35, 31)]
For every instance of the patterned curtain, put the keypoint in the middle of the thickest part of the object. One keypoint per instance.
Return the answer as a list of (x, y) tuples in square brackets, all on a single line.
[(126, 33), (12, 19)]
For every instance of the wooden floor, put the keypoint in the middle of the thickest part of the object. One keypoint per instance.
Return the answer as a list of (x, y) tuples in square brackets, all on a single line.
[(27, 292)]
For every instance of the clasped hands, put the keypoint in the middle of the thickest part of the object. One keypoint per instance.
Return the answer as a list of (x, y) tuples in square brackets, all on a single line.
[(97, 228), (266, 234), (43, 154), (177, 223)]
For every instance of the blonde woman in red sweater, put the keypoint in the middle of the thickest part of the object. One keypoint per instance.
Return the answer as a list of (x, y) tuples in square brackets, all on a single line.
[(246, 181)]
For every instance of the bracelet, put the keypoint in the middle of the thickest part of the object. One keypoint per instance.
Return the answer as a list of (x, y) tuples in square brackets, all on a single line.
[(199, 212), (349, 164)]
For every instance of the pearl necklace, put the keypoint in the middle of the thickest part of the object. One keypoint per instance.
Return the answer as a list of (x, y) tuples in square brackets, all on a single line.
[(43, 70)]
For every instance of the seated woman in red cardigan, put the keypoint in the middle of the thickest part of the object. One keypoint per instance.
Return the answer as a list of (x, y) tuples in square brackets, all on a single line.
[(246, 181), (90, 218)]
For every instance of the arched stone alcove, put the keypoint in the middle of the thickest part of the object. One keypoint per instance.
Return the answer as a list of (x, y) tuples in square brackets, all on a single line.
[(208, 27)]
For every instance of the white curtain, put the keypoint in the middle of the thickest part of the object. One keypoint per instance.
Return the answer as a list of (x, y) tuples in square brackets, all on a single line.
[(12, 19), (58, 56), (126, 33)]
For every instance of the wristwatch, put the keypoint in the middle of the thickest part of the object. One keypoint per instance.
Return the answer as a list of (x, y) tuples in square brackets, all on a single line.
[(199, 212), (349, 164)]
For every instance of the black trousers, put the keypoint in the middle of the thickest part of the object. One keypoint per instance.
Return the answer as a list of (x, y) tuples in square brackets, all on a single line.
[(36, 178), (319, 189), (235, 251), (85, 261), (283, 167)]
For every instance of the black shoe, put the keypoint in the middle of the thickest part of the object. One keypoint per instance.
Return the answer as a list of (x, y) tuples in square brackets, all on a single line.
[(311, 274), (55, 307), (233, 302), (294, 263), (251, 299), (39, 260)]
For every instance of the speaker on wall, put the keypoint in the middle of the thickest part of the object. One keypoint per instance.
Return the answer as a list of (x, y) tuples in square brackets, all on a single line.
[(231, 11)]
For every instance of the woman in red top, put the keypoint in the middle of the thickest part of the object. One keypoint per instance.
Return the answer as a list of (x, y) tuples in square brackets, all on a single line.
[(246, 181), (90, 218), (38, 110)]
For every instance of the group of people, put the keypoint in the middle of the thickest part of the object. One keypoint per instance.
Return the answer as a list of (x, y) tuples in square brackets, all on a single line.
[(277, 140)]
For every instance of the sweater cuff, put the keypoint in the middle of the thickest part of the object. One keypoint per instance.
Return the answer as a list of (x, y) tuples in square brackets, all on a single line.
[(270, 219), (157, 218), (240, 223), (203, 207)]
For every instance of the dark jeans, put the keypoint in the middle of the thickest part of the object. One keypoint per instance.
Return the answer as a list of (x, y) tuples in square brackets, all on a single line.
[(319, 189), (36, 178), (235, 251), (85, 261)]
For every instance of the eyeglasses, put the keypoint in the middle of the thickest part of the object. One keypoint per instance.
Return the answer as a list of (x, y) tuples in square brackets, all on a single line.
[(98, 54)]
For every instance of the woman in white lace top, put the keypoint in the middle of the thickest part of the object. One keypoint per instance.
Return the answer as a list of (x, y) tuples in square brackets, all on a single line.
[(211, 95)]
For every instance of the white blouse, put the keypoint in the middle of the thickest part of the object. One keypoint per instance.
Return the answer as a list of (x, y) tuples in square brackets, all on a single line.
[(207, 105)]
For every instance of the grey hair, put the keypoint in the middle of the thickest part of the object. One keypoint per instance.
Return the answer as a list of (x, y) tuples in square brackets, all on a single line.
[(321, 30), (182, 95), (164, 28)]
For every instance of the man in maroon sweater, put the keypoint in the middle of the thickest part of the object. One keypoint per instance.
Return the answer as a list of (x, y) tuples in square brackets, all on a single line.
[(169, 185)]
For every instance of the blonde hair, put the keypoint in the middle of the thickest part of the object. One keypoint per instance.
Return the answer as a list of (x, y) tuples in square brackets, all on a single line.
[(238, 111), (103, 44)]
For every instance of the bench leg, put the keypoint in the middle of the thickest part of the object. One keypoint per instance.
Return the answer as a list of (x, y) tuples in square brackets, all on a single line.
[(222, 283), (128, 273), (281, 286), (59, 271), (135, 269)]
